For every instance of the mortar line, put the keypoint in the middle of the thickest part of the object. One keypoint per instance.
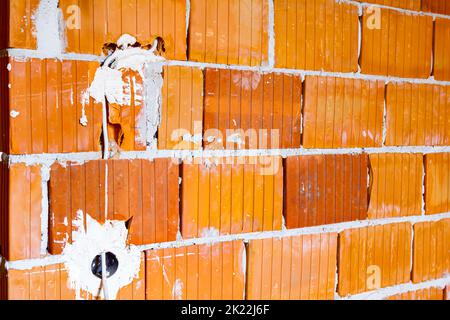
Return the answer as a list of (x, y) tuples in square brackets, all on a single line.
[(384, 293), (80, 158), (25, 54), (323, 229)]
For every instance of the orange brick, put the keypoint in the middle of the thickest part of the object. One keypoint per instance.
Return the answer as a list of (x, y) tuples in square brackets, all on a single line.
[(325, 189), (423, 294), (395, 185), (136, 289), (145, 190), (21, 211), (416, 115), (437, 183), (262, 110), (442, 48), (45, 107), (40, 283), (97, 22), (342, 113), (436, 6), (292, 268), (229, 32), (182, 108), (374, 257), (204, 272), (431, 250), (404, 4), (231, 198), (17, 24), (316, 35), (401, 46), (447, 293)]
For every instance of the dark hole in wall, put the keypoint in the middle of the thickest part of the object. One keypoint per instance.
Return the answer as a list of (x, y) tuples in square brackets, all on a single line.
[(112, 264)]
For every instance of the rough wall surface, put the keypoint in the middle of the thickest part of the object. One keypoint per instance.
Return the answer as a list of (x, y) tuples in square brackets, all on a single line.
[(302, 148)]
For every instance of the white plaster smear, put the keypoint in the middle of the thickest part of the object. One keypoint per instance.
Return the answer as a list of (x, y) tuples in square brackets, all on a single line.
[(91, 241), (108, 85), (48, 28)]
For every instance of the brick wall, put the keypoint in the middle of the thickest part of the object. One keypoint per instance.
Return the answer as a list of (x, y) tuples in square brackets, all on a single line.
[(322, 170)]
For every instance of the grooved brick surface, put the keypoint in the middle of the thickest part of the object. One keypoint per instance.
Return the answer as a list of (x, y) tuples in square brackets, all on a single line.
[(342, 113), (250, 110), (436, 6), (215, 271), (316, 35), (292, 268), (325, 189), (442, 49), (437, 183), (182, 109), (46, 102), (404, 4), (229, 32), (40, 283), (231, 198), (21, 212), (431, 251), (17, 27), (417, 114), (89, 24), (396, 44), (395, 185), (146, 191), (376, 257)]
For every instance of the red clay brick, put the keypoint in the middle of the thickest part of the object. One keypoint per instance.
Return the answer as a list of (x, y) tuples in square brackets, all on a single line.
[(17, 24), (104, 21), (431, 250), (40, 283), (231, 198), (395, 185), (292, 268), (21, 211), (442, 48), (416, 115), (316, 35), (145, 190), (262, 110), (374, 257), (325, 189), (437, 183), (136, 289), (342, 113), (203, 272), (182, 108), (229, 32), (436, 6), (45, 101), (404, 4), (401, 47), (423, 294)]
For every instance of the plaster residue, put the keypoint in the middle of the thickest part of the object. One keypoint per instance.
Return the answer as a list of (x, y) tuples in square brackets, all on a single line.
[(48, 21), (89, 239), (131, 76), (14, 114), (177, 290), (209, 232)]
